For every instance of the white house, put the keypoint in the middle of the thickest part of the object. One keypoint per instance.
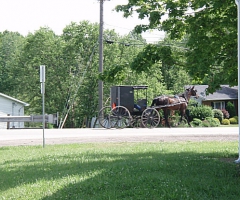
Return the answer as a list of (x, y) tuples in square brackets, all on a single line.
[(13, 107)]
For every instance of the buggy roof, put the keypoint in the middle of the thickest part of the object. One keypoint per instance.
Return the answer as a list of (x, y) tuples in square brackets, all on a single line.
[(140, 87), (135, 87)]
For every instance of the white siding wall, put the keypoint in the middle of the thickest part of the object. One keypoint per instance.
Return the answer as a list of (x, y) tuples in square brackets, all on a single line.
[(8, 106), (3, 125)]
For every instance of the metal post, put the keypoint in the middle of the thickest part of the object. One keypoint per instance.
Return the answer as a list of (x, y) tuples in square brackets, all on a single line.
[(42, 80), (100, 83), (43, 112), (238, 7)]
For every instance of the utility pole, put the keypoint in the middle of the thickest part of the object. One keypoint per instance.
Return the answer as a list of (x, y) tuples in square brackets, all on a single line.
[(100, 83)]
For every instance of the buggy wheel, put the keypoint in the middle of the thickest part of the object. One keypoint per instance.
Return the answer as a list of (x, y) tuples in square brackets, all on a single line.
[(136, 122), (104, 117), (120, 117), (150, 118)]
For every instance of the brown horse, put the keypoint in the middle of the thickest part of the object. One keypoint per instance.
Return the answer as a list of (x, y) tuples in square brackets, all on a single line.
[(179, 102)]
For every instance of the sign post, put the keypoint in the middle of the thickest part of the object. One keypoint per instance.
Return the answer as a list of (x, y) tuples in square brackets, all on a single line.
[(42, 81)]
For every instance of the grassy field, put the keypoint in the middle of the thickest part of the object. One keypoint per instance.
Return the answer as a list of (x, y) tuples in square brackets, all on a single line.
[(152, 171), (231, 125)]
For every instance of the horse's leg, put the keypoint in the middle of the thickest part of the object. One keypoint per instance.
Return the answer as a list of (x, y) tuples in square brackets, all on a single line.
[(185, 115), (165, 111), (180, 108), (181, 114)]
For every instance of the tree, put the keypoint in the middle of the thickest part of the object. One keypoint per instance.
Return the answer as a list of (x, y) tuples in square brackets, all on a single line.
[(81, 60), (119, 51), (167, 62), (211, 30), (231, 109), (122, 71), (11, 44), (71, 62), (43, 47)]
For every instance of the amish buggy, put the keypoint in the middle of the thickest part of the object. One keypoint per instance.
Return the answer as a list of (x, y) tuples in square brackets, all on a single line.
[(128, 107)]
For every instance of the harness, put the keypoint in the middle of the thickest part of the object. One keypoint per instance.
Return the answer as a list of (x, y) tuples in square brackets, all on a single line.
[(179, 100), (177, 97)]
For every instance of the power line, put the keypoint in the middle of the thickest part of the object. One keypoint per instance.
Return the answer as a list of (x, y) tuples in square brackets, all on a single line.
[(146, 35), (145, 44)]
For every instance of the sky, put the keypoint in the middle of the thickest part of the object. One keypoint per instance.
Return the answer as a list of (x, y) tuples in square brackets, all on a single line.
[(25, 16)]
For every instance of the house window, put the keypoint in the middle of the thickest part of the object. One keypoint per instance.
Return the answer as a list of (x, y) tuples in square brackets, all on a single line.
[(219, 105)]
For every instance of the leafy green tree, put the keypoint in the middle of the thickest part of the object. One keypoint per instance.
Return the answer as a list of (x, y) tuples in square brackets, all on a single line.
[(231, 109), (210, 27), (81, 61), (11, 44), (175, 75), (167, 63), (119, 51), (122, 71), (71, 62), (43, 47)]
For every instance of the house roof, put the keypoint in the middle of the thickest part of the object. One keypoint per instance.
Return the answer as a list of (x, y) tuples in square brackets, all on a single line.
[(13, 99), (225, 93)]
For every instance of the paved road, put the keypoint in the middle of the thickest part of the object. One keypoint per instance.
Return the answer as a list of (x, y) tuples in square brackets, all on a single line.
[(16, 137)]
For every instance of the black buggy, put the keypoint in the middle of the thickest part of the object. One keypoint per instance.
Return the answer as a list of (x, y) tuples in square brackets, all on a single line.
[(128, 108)]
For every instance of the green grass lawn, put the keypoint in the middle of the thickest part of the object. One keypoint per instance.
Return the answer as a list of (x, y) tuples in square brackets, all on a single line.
[(231, 125), (152, 171)]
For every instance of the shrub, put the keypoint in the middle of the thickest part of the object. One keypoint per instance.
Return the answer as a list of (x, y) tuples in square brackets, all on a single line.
[(218, 114), (217, 120), (196, 122), (231, 109), (213, 122), (173, 120), (233, 120), (200, 112), (205, 123), (192, 103), (225, 114), (225, 122)]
